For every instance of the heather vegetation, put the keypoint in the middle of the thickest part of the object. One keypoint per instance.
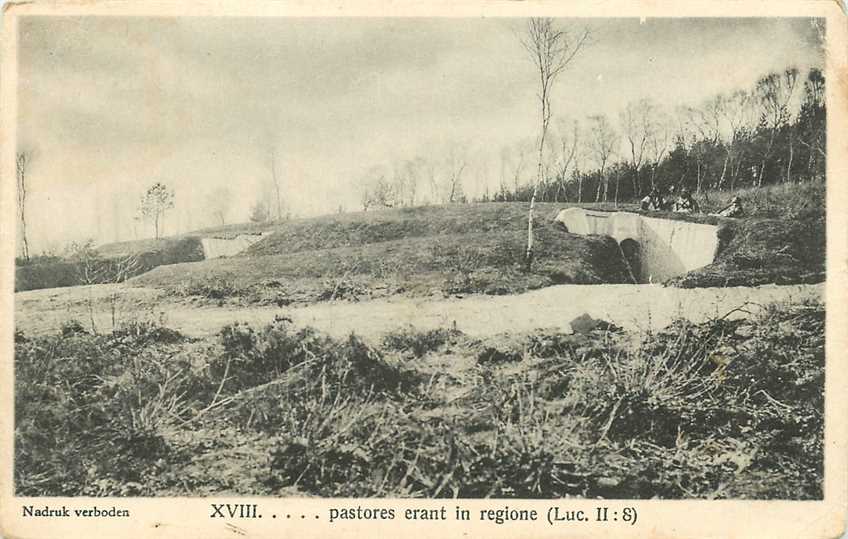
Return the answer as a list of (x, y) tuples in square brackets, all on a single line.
[(765, 144), (724, 409), (438, 250), (784, 240), (113, 400), (85, 264)]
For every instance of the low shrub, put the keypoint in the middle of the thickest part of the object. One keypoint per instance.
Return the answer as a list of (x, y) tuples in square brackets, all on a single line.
[(218, 288), (144, 332), (256, 357), (107, 264), (721, 409), (787, 201), (89, 412), (72, 327), (419, 343)]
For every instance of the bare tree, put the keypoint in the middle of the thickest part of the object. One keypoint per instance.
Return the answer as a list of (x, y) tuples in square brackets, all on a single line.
[(513, 161), (813, 126), (455, 164), (577, 172), (376, 189), (700, 125), (481, 181), (411, 174), (775, 92), (637, 124), (121, 269), (551, 50), (259, 212), (602, 143), (405, 177), (92, 268), (429, 169), (565, 152), (275, 181), (219, 203), (738, 122), (658, 143), (444, 173), (504, 156), (21, 161)]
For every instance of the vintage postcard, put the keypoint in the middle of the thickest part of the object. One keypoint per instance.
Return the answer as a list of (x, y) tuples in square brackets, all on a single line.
[(425, 269)]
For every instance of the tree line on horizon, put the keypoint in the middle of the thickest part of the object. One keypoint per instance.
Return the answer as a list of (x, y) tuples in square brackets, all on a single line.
[(773, 132)]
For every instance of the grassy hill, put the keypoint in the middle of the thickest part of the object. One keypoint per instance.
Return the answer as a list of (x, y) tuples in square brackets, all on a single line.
[(457, 249), (782, 241), (103, 266)]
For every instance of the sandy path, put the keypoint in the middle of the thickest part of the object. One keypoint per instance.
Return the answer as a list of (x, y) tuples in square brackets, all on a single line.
[(630, 306)]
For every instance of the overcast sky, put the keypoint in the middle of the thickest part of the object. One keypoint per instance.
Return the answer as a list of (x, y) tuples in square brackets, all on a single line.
[(109, 105)]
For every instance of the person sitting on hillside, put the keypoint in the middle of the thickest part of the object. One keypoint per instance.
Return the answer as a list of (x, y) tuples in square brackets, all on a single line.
[(732, 210), (653, 201), (685, 203), (668, 200)]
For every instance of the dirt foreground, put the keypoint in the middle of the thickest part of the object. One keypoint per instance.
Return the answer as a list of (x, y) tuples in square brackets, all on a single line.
[(633, 307)]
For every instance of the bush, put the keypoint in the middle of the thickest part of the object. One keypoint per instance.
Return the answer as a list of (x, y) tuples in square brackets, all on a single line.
[(763, 251), (218, 288), (144, 332), (107, 264), (419, 343), (89, 412), (49, 275), (781, 201), (722, 409), (252, 358), (72, 327), (38, 259)]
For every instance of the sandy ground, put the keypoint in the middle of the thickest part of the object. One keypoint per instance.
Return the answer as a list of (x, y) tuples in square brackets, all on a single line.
[(629, 306)]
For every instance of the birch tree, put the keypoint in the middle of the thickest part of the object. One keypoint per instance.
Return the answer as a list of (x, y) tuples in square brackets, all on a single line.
[(658, 143), (602, 143), (739, 123), (21, 162), (565, 150), (811, 119), (219, 203), (455, 164), (775, 92), (275, 181), (551, 50), (638, 127)]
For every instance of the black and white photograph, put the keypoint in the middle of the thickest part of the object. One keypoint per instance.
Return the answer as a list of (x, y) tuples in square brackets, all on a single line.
[(509, 258)]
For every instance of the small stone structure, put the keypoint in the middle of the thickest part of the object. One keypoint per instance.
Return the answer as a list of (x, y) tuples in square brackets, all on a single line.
[(657, 249), (218, 247)]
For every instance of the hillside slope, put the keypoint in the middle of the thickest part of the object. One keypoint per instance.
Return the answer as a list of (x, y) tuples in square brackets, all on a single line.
[(105, 263), (474, 248)]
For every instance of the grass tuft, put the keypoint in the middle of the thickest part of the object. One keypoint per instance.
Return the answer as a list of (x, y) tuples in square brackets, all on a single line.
[(722, 409)]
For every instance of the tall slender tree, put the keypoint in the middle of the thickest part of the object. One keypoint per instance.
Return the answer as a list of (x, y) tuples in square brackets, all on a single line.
[(21, 161), (565, 152), (775, 92), (602, 143), (638, 127), (275, 181), (551, 50)]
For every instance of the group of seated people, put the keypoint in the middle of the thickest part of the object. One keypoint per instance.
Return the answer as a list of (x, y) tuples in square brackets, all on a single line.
[(684, 203)]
